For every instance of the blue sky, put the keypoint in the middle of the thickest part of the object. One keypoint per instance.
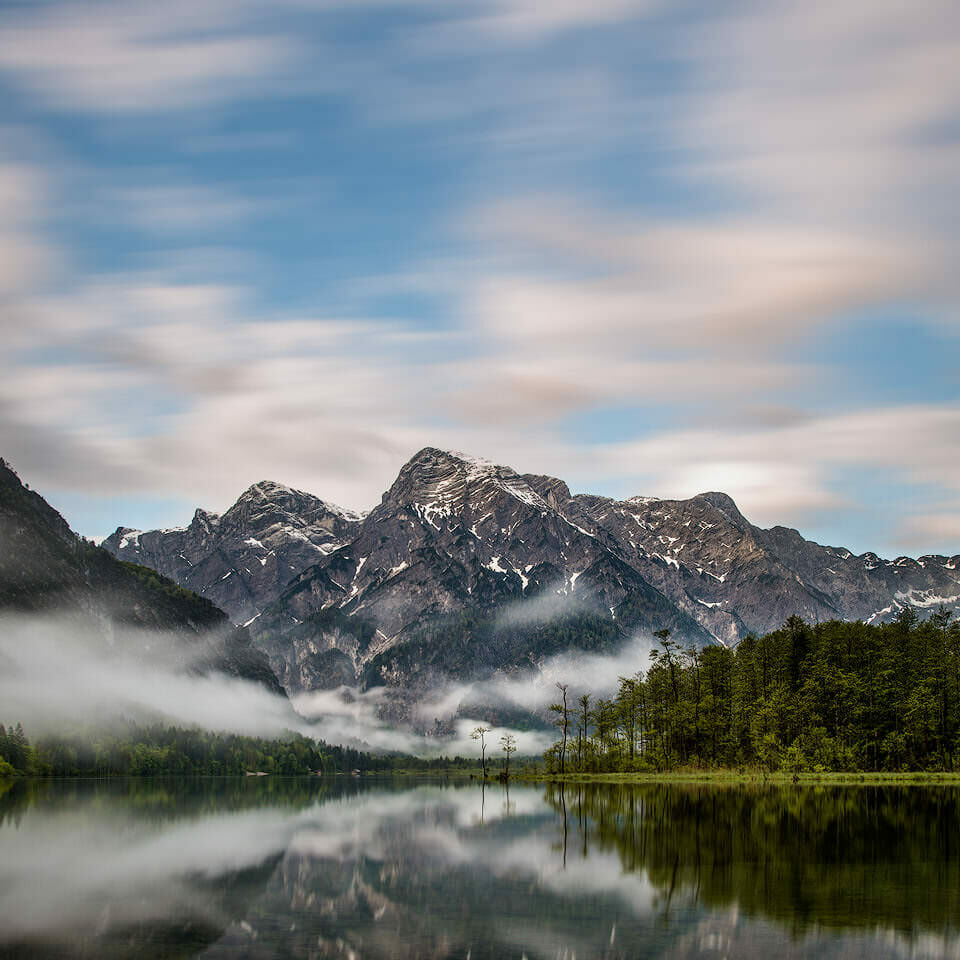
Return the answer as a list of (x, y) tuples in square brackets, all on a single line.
[(650, 248)]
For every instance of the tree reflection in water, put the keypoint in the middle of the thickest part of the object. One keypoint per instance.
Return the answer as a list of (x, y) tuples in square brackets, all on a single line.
[(830, 856), (307, 868)]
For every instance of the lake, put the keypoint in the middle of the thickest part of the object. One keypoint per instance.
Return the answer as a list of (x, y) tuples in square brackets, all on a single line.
[(314, 868)]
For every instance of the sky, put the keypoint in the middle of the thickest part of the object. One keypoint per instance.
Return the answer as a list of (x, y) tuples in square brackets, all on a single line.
[(651, 248)]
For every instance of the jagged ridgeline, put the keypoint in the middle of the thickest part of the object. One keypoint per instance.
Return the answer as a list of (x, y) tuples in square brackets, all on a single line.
[(47, 569), (466, 567)]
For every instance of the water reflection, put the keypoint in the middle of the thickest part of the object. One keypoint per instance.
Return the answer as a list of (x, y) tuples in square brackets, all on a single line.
[(309, 868), (843, 857)]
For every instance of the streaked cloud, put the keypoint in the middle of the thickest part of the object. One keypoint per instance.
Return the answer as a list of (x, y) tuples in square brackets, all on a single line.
[(924, 531), (24, 252), (303, 240), (137, 56), (784, 471)]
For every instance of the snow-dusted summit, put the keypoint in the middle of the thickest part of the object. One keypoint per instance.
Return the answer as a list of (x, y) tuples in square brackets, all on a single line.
[(467, 566), (243, 559)]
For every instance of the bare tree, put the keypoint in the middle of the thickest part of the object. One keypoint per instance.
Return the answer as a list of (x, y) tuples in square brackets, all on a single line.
[(509, 742), (562, 721), (479, 733), (583, 729)]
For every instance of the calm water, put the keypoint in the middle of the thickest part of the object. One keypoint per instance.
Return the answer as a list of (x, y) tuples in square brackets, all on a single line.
[(308, 868)]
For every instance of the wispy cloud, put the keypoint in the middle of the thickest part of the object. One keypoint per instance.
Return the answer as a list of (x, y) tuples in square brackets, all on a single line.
[(670, 220), (138, 57), (785, 469), (25, 253), (941, 529)]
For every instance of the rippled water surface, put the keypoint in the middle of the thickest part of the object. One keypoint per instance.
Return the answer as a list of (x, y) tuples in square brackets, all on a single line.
[(312, 868)]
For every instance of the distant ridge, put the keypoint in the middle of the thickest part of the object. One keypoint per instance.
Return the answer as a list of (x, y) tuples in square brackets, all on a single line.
[(418, 585), (46, 569)]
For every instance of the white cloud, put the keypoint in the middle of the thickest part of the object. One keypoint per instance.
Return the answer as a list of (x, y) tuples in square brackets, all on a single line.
[(830, 111), (181, 207), (724, 287), (25, 254), (533, 20), (781, 474), (828, 129), (930, 531), (139, 56)]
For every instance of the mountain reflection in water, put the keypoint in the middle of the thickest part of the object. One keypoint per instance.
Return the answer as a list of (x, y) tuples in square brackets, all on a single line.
[(313, 868)]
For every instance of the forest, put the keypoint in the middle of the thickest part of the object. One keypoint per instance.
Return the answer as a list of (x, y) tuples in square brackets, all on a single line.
[(165, 750), (835, 696)]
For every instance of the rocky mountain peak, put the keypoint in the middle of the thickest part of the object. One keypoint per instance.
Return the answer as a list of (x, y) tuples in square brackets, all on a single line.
[(243, 559), (456, 539), (269, 490), (725, 504), (268, 501), (555, 492), (431, 464), (442, 483), (204, 518)]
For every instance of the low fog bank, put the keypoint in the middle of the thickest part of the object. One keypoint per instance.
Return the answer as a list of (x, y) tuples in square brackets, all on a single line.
[(535, 689), (348, 715), (58, 676), (59, 673), (553, 602)]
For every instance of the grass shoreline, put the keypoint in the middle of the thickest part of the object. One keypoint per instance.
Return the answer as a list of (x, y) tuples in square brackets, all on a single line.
[(751, 777), (718, 777)]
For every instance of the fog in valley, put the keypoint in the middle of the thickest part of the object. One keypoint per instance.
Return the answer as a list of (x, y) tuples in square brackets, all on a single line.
[(60, 675)]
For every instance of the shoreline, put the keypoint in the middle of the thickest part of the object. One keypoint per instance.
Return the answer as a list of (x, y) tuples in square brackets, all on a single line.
[(779, 778), (707, 777)]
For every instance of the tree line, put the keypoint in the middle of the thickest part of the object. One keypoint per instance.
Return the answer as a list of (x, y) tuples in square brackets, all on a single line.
[(834, 696), (165, 750)]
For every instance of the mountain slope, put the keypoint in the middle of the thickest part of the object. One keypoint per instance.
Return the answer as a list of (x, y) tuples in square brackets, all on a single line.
[(704, 556), (466, 567), (735, 578), (242, 560), (45, 568), (453, 534)]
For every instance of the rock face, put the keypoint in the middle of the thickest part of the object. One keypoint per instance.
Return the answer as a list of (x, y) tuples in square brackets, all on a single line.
[(735, 578), (46, 569), (463, 568), (467, 567), (242, 560)]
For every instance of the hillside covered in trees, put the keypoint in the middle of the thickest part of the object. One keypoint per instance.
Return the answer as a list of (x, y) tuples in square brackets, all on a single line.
[(835, 696)]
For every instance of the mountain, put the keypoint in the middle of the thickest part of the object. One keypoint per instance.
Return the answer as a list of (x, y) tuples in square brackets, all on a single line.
[(463, 568), (242, 560), (736, 578), (466, 567), (46, 569)]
